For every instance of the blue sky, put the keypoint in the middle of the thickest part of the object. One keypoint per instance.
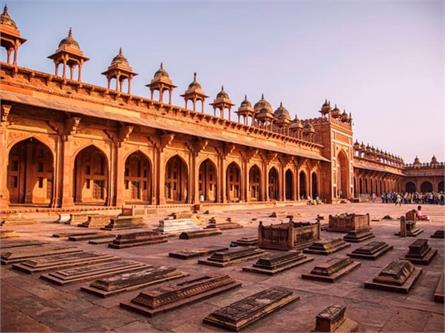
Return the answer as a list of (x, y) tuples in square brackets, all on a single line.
[(383, 61)]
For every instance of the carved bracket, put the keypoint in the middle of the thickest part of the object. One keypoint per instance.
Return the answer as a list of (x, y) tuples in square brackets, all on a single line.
[(166, 140), (229, 148), (124, 133), (71, 126), (5, 113)]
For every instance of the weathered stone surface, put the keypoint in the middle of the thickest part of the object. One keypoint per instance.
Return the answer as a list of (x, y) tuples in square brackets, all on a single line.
[(169, 297), (124, 222), (77, 233), (332, 269), (8, 233), (232, 256), (72, 275), (131, 281), (408, 228), (7, 244), (251, 309), (439, 292), (357, 236), (59, 261), (193, 253), (277, 263), (326, 247), (138, 239), (226, 224), (23, 253), (77, 238), (78, 218), (96, 221), (438, 234), (245, 241), (420, 252), (332, 319), (199, 233), (371, 251), (176, 226), (398, 276), (287, 236), (348, 222)]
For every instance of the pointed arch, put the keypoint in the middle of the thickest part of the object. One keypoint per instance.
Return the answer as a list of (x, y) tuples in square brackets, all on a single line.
[(289, 184), (233, 182), (342, 175), (274, 187), (302, 178), (137, 178), (207, 181), (176, 180), (255, 183), (315, 185)]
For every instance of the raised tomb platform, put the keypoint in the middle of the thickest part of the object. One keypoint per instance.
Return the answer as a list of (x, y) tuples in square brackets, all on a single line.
[(420, 252), (59, 261), (357, 236), (199, 233), (125, 282), (226, 224), (332, 319), (68, 234), (232, 256), (19, 254), (124, 222), (288, 236), (348, 222), (371, 251), (8, 244), (332, 269), (91, 272), (96, 221), (175, 225), (408, 227), (438, 234), (438, 293), (168, 297), (197, 252), (398, 276), (278, 263), (246, 311), (326, 247), (95, 236), (8, 233), (245, 241), (138, 239)]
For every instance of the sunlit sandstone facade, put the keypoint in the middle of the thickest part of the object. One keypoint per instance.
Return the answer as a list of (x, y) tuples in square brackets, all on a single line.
[(64, 142)]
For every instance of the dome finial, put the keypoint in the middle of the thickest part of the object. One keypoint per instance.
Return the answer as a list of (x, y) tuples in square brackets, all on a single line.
[(162, 66), (5, 9), (262, 96), (120, 51), (70, 33), (194, 77), (245, 97), (222, 88), (281, 104)]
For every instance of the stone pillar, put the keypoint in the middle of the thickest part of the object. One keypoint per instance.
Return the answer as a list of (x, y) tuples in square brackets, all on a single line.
[(161, 176), (120, 176), (266, 179), (4, 193), (68, 161), (196, 179), (243, 181), (57, 190)]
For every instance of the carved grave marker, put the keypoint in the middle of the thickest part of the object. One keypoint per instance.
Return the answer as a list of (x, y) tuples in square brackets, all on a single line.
[(371, 251), (232, 256), (138, 239), (277, 263), (420, 252), (197, 252), (332, 269), (199, 233), (326, 247), (332, 319)]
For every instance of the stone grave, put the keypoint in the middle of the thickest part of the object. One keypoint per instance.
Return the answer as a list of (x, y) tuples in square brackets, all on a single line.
[(245, 241), (138, 239), (288, 236), (124, 222), (98, 241), (96, 221), (326, 247), (278, 263), (438, 293), (8, 233), (371, 251), (408, 228), (420, 252), (357, 236), (246, 311), (232, 256), (197, 252), (15, 255), (76, 238), (227, 224), (348, 222), (124, 282), (398, 276), (178, 225), (67, 234), (168, 297), (332, 319), (332, 269), (78, 218), (91, 272), (199, 233), (64, 218), (7, 244), (59, 261), (438, 234)]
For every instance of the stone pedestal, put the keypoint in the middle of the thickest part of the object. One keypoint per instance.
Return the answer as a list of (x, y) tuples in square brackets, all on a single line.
[(245, 241), (332, 319), (332, 269), (398, 276), (326, 247), (371, 251), (420, 252), (176, 226), (348, 222), (227, 224), (96, 221), (438, 234), (277, 263)]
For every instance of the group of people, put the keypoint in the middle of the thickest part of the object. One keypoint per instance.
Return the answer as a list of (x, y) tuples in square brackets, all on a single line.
[(413, 198)]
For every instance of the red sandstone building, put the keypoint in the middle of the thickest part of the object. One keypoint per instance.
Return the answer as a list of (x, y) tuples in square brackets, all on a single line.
[(64, 142)]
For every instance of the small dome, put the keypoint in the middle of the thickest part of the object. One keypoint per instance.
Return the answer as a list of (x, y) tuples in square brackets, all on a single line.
[(245, 103), (161, 76), (120, 59), (69, 41), (245, 108), (5, 19), (194, 88), (263, 109), (309, 128), (344, 116), (195, 84), (434, 160), (335, 111), (356, 144), (222, 94), (326, 107), (282, 113), (296, 123)]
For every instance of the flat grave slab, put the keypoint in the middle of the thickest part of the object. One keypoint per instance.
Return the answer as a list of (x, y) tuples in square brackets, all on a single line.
[(371, 251), (357, 236), (438, 293), (332, 269), (138, 239), (67, 234), (245, 241), (326, 247), (176, 226), (232, 256), (15, 255), (8, 244), (199, 233), (59, 261), (8, 233), (197, 252), (332, 319), (78, 274), (102, 240), (169, 297), (246, 311), (420, 252), (124, 282), (124, 222), (438, 234), (90, 237), (398, 276), (96, 221), (278, 263)]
